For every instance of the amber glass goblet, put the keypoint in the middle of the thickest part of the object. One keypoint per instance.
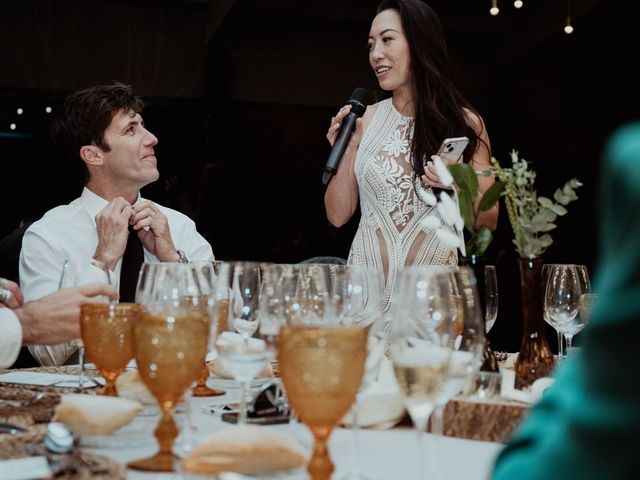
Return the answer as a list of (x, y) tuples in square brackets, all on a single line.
[(322, 369), (106, 333), (169, 350)]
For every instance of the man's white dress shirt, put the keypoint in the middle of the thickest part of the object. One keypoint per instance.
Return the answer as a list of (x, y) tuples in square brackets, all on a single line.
[(67, 233), (10, 337)]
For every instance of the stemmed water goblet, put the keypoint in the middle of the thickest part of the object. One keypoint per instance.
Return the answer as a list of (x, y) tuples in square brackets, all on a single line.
[(321, 364), (106, 334), (422, 337), (170, 343)]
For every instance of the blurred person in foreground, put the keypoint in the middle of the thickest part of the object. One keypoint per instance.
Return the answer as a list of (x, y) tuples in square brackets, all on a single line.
[(587, 424), (104, 136), (387, 167), (53, 319)]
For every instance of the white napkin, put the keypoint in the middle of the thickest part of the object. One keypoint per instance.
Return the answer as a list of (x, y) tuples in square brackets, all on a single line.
[(530, 395), (380, 403), (231, 338)]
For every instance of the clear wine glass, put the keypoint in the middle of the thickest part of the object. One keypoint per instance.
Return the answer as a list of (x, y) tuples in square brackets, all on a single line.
[(468, 350), (355, 300), (421, 339), (238, 291), (562, 295), (490, 297)]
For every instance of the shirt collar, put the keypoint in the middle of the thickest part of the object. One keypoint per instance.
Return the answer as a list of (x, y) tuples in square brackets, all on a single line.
[(94, 204)]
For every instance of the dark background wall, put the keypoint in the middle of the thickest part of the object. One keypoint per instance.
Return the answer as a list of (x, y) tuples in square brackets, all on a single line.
[(240, 94)]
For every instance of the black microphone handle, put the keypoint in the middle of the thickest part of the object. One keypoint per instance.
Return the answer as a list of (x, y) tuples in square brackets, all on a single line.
[(339, 146)]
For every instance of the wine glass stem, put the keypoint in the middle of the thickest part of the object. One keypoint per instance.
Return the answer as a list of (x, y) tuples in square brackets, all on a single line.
[(560, 346), (437, 428), (569, 339), (81, 374), (242, 414)]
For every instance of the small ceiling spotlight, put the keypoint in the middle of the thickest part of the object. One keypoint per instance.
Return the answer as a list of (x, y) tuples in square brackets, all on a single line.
[(518, 3), (48, 109), (568, 28), (12, 126), (494, 8), (19, 111)]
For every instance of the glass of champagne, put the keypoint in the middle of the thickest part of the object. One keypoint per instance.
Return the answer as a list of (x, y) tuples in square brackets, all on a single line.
[(106, 334), (422, 337), (170, 343), (321, 368)]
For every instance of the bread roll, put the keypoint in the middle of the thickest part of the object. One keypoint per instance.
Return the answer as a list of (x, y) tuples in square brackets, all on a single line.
[(131, 386), (247, 449), (95, 415), (216, 369)]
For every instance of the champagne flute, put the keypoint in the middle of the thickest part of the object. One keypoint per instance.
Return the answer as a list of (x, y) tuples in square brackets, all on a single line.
[(170, 344), (422, 338)]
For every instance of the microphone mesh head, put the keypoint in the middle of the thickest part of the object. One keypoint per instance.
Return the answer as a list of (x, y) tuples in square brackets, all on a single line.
[(359, 100)]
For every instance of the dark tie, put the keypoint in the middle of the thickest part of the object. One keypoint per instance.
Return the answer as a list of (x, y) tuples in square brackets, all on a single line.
[(131, 263)]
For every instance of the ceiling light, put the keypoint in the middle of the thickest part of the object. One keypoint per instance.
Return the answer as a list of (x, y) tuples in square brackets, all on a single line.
[(518, 3), (494, 8)]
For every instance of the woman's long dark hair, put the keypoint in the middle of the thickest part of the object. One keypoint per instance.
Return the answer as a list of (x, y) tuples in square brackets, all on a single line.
[(439, 105)]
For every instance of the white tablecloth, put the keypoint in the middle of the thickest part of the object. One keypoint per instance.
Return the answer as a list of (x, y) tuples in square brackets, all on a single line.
[(386, 454)]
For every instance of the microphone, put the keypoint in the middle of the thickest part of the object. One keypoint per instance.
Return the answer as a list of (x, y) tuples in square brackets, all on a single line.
[(358, 101)]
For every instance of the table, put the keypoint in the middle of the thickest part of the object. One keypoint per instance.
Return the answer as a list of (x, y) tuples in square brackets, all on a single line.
[(387, 454)]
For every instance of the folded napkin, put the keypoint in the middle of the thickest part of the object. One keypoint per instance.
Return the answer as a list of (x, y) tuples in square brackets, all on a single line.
[(529, 395), (130, 385), (95, 415), (231, 338), (246, 449), (379, 403)]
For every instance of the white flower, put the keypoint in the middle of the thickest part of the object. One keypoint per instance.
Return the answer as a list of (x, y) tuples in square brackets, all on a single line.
[(449, 238), (396, 144), (426, 195), (430, 222), (443, 172)]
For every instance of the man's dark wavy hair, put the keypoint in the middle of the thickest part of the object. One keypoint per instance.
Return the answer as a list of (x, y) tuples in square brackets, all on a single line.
[(86, 114)]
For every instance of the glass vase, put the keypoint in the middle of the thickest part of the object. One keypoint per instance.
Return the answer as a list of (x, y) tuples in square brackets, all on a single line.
[(535, 359)]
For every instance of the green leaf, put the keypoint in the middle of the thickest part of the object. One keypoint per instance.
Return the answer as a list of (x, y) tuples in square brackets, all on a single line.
[(491, 196), (479, 241), (465, 200), (465, 176)]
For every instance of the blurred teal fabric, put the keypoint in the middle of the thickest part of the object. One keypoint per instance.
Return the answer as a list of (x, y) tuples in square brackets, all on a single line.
[(587, 425)]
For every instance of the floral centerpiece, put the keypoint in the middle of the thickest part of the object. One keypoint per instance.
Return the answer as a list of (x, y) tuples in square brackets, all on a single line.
[(532, 217)]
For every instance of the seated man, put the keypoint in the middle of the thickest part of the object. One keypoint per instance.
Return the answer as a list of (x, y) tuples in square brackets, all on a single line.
[(103, 134), (52, 319)]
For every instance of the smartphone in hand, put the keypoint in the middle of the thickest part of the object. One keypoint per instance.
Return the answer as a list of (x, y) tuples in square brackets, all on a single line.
[(452, 148)]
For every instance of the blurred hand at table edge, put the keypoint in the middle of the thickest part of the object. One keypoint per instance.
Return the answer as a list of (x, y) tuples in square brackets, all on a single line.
[(55, 318), (586, 425)]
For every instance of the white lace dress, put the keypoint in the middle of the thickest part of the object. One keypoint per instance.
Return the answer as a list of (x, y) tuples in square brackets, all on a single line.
[(389, 236)]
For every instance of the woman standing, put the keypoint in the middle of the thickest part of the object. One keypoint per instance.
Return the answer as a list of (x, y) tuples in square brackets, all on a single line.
[(387, 166)]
